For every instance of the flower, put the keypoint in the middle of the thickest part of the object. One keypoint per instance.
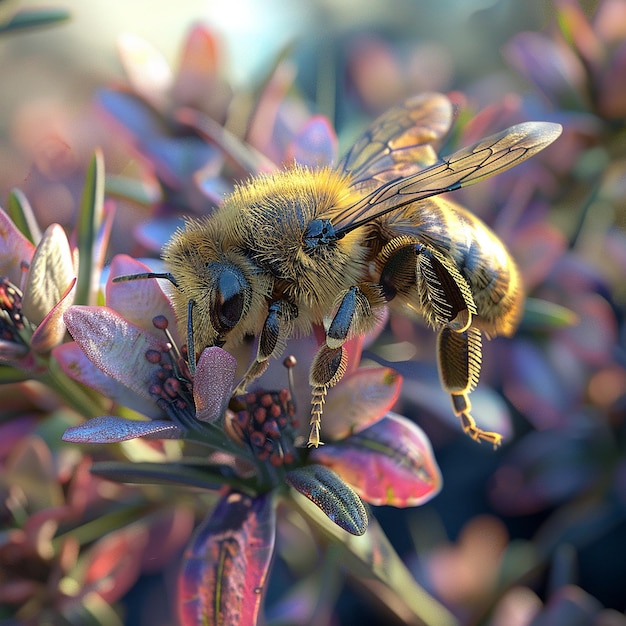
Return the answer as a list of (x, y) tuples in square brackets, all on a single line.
[(250, 443)]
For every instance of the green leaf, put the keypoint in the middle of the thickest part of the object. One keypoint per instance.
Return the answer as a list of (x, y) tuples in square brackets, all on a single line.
[(34, 18), (89, 217), (372, 560), (544, 315), (205, 477), (139, 191), (20, 211)]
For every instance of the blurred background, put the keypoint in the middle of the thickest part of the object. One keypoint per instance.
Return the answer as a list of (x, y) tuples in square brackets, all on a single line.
[(537, 529)]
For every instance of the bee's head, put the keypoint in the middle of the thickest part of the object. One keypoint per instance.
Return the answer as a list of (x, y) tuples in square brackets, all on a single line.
[(221, 295), (228, 298)]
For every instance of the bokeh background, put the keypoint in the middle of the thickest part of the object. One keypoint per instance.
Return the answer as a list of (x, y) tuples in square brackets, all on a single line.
[(537, 529)]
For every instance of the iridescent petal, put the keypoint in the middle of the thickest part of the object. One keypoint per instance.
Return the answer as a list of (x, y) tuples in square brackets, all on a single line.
[(322, 486), (51, 331), (225, 566), (138, 301), (114, 345), (392, 462), (51, 271), (361, 399), (110, 428), (15, 249), (213, 383), (77, 366)]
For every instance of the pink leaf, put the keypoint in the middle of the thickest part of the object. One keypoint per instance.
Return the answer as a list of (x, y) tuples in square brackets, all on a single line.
[(77, 366), (359, 400), (114, 345), (392, 462), (225, 567), (138, 301)]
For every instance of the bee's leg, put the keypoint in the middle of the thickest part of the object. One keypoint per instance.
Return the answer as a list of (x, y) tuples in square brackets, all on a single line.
[(276, 330), (355, 315), (459, 358), (327, 369)]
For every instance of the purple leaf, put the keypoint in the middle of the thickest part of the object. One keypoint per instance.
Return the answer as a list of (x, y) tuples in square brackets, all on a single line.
[(325, 489), (225, 566), (316, 144), (389, 463), (110, 428)]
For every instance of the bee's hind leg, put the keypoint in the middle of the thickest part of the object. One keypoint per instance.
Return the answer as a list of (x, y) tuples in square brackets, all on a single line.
[(459, 357), (277, 328)]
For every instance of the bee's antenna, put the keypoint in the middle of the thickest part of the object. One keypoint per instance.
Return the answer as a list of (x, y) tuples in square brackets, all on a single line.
[(144, 275), (191, 350)]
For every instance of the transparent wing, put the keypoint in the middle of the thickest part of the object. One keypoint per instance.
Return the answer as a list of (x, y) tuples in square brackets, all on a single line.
[(397, 144), (467, 166)]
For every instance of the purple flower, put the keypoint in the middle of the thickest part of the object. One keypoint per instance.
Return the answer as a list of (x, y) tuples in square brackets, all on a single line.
[(248, 444)]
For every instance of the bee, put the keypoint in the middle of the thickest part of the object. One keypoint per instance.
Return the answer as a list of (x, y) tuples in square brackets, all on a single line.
[(334, 246)]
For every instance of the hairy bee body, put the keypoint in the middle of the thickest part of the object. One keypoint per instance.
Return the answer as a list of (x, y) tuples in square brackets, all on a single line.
[(333, 247), (261, 228)]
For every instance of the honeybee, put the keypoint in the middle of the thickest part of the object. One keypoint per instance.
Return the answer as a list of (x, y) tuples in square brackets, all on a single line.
[(334, 246)]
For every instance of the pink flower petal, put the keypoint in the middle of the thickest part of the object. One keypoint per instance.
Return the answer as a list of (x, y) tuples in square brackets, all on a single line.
[(51, 271), (15, 249), (110, 429), (114, 345), (390, 463), (359, 400), (213, 383), (138, 301), (239, 536), (51, 331), (77, 366)]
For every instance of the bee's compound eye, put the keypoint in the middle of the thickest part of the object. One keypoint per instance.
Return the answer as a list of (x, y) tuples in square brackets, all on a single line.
[(232, 292)]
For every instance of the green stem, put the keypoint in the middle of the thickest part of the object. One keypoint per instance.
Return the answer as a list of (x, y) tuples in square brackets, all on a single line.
[(78, 397), (100, 526)]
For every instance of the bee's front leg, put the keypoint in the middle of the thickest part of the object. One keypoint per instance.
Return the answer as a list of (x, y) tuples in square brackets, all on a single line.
[(277, 328), (459, 357)]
